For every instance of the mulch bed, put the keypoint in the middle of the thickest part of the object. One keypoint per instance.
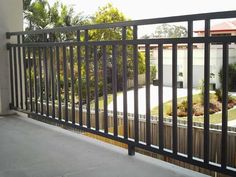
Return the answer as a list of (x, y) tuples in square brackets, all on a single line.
[(198, 109)]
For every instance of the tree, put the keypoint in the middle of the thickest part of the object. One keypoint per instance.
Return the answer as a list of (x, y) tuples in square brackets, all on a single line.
[(110, 14), (40, 15), (37, 14), (170, 31), (62, 15)]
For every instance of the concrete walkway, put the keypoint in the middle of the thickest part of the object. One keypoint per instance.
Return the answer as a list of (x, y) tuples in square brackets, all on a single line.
[(29, 148), (167, 96)]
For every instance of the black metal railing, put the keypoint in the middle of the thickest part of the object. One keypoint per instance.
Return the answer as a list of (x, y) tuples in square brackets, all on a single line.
[(58, 73)]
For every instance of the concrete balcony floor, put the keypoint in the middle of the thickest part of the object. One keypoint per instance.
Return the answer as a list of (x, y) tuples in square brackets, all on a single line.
[(29, 148)]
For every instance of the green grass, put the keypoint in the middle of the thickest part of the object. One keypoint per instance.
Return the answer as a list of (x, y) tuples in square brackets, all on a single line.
[(214, 118), (101, 101)]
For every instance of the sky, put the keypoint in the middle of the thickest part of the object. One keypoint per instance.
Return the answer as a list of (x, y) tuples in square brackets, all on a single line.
[(139, 9)]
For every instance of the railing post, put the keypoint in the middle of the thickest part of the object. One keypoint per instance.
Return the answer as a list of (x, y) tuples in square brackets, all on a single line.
[(131, 150)]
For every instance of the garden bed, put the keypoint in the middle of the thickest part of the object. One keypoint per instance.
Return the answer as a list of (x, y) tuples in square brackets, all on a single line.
[(215, 108)]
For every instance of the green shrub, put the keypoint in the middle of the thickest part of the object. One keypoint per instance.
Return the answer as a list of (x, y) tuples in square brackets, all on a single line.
[(168, 109), (231, 76), (202, 90), (153, 72), (218, 93), (183, 106)]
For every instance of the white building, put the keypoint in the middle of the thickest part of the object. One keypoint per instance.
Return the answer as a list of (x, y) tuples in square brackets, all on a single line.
[(222, 29)]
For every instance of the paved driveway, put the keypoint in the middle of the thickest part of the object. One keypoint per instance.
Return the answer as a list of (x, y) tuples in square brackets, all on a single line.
[(167, 96)]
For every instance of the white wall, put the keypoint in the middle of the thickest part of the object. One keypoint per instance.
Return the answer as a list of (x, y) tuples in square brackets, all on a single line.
[(11, 19), (198, 64)]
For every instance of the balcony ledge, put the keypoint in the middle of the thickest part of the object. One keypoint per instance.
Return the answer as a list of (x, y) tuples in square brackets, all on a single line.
[(32, 148)]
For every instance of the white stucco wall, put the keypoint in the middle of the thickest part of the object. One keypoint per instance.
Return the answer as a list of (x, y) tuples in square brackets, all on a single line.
[(198, 64), (11, 19)]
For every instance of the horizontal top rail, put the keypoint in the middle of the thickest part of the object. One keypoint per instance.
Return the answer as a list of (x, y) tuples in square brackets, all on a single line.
[(182, 18), (222, 39)]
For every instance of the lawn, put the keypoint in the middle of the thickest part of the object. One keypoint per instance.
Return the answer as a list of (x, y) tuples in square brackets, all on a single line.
[(101, 101)]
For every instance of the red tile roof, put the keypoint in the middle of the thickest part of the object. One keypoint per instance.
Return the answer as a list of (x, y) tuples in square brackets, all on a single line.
[(224, 26)]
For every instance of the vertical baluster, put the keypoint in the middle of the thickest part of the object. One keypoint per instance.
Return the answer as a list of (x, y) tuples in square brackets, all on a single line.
[(40, 81), (160, 94), (72, 85), (65, 84), (114, 87), (174, 98), (96, 88), (148, 121), (224, 135), (135, 62), (206, 91), (87, 79), (124, 67), (15, 75), (30, 79), (35, 81), (46, 76), (58, 82), (52, 81), (190, 88), (20, 71), (25, 75), (11, 77), (104, 65), (79, 80)]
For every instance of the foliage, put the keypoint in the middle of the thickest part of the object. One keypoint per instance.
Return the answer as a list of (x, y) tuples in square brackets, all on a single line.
[(40, 15), (153, 72), (37, 14), (183, 105), (214, 118), (218, 93), (110, 14), (202, 92), (168, 109), (170, 31), (231, 77)]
